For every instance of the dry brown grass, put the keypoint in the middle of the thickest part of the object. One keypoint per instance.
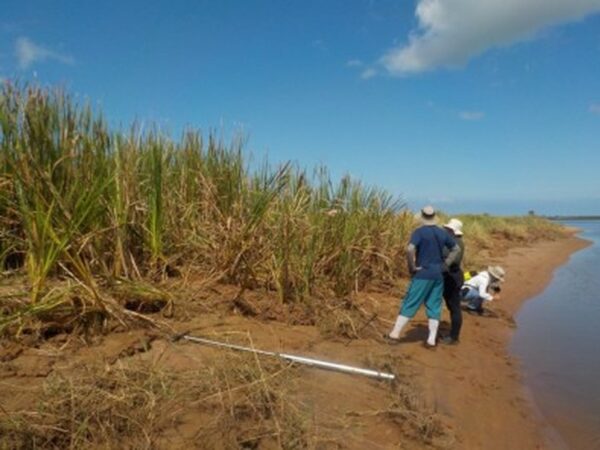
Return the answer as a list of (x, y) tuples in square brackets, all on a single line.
[(407, 408), (347, 318), (236, 402)]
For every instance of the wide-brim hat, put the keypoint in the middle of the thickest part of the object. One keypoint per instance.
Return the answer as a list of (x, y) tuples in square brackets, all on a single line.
[(497, 272), (456, 226), (428, 215)]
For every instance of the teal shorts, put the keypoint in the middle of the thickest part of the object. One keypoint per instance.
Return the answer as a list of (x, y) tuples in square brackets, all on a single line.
[(423, 291)]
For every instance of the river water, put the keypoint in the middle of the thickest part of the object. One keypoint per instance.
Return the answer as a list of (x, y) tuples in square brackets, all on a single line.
[(558, 342)]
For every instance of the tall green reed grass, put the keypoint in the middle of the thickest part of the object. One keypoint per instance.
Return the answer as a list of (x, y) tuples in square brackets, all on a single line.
[(93, 205)]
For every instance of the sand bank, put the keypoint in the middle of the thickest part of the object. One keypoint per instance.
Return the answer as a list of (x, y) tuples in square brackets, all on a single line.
[(474, 387), (478, 383)]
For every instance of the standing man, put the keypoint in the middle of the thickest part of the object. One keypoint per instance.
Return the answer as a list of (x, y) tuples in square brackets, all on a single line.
[(425, 257), (453, 281)]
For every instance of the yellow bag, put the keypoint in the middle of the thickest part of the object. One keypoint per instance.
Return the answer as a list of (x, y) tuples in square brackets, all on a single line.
[(469, 274)]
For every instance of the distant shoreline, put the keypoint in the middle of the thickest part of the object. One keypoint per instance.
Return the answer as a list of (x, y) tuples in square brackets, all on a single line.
[(575, 218)]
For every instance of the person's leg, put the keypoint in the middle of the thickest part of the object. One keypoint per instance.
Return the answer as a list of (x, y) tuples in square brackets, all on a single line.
[(448, 285), (468, 293), (465, 295), (455, 318), (433, 305), (452, 287), (434, 324), (475, 304), (452, 296), (401, 321), (410, 304)]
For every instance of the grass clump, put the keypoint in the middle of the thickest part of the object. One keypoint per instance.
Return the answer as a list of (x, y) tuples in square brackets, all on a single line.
[(93, 407), (236, 402), (251, 405), (407, 408)]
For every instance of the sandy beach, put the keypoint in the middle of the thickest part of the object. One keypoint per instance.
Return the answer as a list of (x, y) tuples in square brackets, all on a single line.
[(467, 396), (478, 383)]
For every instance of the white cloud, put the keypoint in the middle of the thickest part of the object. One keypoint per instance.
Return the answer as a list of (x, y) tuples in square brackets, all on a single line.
[(29, 53), (471, 115), (450, 32), (368, 73), (595, 108), (354, 63)]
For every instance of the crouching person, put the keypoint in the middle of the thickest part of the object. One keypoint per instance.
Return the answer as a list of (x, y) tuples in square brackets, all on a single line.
[(485, 286), (425, 257)]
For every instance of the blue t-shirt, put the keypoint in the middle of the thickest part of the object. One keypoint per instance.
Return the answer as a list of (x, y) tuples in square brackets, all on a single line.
[(430, 240)]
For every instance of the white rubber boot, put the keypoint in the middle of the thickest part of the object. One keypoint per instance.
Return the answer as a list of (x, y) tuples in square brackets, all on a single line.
[(433, 329), (400, 322)]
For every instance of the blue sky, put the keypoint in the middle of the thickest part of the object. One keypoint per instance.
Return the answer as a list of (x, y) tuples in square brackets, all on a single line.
[(473, 105)]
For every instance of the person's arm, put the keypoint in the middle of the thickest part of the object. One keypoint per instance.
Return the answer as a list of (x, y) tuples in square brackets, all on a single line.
[(483, 293), (454, 252), (453, 256), (411, 258), (411, 251)]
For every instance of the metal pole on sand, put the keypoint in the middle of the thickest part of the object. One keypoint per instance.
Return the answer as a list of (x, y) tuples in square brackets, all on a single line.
[(288, 357)]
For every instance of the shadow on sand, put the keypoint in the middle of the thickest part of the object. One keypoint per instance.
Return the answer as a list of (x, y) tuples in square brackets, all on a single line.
[(417, 333)]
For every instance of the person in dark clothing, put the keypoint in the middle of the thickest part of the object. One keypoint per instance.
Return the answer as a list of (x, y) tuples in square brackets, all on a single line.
[(453, 281)]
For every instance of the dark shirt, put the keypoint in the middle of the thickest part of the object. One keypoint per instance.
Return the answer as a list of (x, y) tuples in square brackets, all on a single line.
[(430, 241)]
